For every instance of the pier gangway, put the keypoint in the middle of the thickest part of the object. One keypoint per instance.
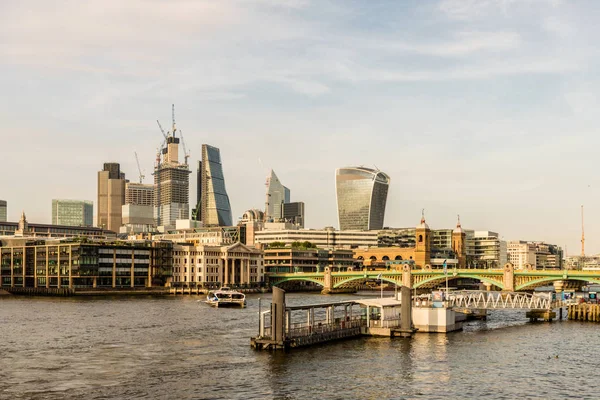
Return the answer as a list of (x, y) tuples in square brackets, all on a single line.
[(487, 300)]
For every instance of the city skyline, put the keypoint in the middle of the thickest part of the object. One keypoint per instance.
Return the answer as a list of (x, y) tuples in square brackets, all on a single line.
[(487, 111)]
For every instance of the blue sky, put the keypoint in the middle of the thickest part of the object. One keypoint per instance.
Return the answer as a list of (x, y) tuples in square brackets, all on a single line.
[(485, 108)]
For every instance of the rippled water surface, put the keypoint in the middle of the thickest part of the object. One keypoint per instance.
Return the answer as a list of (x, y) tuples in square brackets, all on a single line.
[(178, 347)]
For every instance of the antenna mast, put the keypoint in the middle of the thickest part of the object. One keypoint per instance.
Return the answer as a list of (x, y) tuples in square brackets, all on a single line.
[(173, 116), (582, 235)]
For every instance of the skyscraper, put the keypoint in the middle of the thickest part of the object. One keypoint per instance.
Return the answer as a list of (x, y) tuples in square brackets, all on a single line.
[(171, 184), (197, 211), (3, 212), (277, 195), (111, 196), (72, 212), (294, 213), (361, 197), (215, 209)]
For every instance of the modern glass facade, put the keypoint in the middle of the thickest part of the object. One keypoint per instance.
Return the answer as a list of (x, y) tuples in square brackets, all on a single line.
[(3, 208), (215, 207), (277, 195), (72, 212), (361, 197)]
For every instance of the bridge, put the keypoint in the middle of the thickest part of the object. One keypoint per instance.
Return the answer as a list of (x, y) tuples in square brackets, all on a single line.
[(506, 279)]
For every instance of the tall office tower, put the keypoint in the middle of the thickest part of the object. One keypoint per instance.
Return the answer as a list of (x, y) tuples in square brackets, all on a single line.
[(361, 197), (294, 213), (277, 194), (3, 210), (215, 209), (111, 196), (171, 184), (72, 212)]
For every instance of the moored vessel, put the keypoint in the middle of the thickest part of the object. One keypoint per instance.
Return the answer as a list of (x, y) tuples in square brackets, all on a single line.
[(226, 297)]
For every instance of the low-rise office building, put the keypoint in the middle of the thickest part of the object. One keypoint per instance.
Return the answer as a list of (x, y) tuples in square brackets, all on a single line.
[(25, 229), (214, 236), (300, 259), (83, 263), (323, 238)]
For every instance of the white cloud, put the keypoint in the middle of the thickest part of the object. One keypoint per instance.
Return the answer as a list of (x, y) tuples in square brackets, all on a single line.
[(476, 9)]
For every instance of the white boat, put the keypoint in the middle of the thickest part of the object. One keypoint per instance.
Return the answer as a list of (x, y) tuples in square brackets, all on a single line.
[(225, 297)]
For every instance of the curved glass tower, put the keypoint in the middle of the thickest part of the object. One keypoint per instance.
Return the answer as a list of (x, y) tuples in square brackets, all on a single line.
[(215, 207), (361, 196)]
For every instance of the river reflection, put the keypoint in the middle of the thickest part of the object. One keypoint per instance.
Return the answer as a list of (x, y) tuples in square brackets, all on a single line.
[(179, 347)]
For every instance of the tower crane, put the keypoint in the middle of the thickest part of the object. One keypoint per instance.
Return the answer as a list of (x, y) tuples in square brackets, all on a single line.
[(137, 160), (186, 154)]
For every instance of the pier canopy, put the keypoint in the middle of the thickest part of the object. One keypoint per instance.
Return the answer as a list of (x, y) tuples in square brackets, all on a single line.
[(381, 313), (381, 302)]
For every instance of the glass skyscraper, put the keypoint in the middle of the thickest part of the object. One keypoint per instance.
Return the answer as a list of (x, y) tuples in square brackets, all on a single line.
[(215, 209), (361, 197), (277, 195), (72, 212)]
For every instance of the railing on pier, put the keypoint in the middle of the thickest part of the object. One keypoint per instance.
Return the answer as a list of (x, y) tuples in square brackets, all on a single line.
[(304, 330), (475, 299), (294, 330), (388, 323)]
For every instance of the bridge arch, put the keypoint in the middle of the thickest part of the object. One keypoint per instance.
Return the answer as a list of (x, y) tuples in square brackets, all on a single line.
[(536, 282), (365, 277), (442, 278), (299, 278)]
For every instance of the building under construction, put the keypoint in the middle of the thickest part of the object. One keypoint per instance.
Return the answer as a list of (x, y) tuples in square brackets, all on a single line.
[(171, 180)]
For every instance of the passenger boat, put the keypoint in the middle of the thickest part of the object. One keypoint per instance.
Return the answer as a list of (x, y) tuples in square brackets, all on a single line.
[(225, 297)]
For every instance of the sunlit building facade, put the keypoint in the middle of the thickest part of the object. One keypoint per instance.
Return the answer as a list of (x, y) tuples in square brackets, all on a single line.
[(361, 197)]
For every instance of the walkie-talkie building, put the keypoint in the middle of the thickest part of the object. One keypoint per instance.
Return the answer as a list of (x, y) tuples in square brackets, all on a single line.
[(215, 209), (361, 197)]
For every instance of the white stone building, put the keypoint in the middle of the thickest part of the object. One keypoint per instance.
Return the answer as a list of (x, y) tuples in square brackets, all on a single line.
[(236, 264), (521, 253)]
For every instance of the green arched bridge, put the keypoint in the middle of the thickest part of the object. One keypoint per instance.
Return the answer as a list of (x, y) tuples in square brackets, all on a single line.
[(506, 279)]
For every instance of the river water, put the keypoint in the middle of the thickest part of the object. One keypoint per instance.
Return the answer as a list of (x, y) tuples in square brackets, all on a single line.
[(180, 348)]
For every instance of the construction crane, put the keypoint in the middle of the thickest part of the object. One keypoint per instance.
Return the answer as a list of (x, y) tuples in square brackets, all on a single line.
[(137, 160), (161, 129), (186, 154)]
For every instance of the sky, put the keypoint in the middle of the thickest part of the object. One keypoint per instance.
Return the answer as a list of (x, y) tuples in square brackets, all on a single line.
[(483, 108)]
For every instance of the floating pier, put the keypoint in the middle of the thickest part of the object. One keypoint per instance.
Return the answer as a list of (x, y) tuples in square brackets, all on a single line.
[(284, 327)]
